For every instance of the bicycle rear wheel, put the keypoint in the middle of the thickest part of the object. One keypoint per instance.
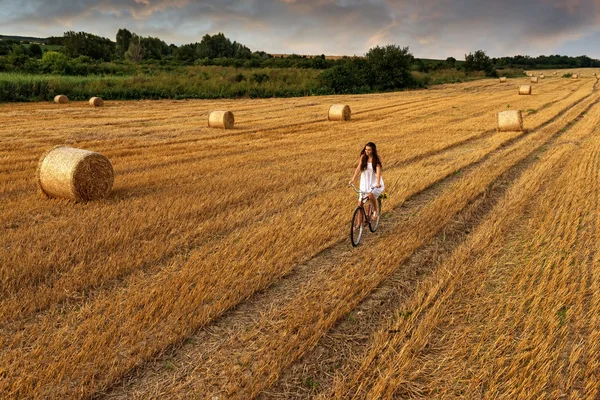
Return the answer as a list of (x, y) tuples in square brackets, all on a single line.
[(356, 226), (374, 223)]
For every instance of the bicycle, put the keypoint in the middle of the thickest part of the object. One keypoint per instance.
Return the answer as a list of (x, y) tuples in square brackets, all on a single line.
[(363, 216)]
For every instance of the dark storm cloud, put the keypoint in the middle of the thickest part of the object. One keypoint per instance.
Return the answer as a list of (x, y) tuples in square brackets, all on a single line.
[(436, 28)]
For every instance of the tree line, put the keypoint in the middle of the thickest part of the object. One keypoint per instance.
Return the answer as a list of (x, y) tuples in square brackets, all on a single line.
[(129, 47), (382, 68)]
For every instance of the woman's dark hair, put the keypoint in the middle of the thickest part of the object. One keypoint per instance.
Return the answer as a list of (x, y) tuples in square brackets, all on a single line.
[(364, 159)]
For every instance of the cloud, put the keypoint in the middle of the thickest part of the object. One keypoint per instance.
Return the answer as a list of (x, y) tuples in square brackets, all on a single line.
[(432, 28)]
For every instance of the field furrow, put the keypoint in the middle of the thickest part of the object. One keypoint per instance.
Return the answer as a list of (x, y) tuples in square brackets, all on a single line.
[(201, 221)]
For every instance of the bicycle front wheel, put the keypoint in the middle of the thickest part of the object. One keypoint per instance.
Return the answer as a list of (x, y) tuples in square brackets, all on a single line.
[(374, 223), (356, 226)]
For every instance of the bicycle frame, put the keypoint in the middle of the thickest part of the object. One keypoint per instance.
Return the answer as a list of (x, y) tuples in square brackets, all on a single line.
[(364, 208)]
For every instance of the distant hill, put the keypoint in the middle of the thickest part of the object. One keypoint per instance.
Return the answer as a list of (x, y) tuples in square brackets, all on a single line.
[(24, 38)]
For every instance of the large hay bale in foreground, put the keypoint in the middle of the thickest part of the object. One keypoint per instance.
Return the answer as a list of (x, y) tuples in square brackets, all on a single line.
[(502, 79), (339, 112), (575, 76), (510, 120), (525, 89), (534, 79), (61, 99), (96, 102), (75, 174), (221, 119)]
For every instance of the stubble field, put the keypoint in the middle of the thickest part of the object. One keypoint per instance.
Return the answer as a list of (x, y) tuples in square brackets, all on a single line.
[(219, 267)]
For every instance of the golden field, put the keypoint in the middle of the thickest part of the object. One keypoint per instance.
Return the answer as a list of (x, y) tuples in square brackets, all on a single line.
[(219, 266)]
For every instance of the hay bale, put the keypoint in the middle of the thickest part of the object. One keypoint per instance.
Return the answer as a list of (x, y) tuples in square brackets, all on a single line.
[(339, 112), (534, 79), (525, 89), (510, 120), (96, 102), (555, 73), (529, 74), (75, 174), (502, 79), (575, 76), (61, 99), (221, 119), (542, 76)]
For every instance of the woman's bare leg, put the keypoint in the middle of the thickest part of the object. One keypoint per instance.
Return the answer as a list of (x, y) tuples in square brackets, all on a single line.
[(374, 209)]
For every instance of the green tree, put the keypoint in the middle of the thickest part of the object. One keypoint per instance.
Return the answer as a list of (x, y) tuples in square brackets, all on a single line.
[(123, 41), (389, 67), (154, 48), (479, 61), (349, 75), (186, 53), (54, 62), (85, 44), (135, 52), (218, 46), (451, 62), (18, 56), (36, 50)]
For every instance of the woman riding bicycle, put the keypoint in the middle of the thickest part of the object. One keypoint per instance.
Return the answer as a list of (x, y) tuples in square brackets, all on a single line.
[(369, 168)]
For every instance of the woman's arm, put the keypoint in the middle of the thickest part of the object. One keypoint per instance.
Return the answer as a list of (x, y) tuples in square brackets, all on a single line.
[(356, 172), (379, 176)]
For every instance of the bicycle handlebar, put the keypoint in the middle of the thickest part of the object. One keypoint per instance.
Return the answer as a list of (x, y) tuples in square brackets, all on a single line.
[(360, 191)]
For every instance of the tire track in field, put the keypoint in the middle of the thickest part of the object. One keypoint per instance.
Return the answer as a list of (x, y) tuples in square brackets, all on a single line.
[(216, 334)]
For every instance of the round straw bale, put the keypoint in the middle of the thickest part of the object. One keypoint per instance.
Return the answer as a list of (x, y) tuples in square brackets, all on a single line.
[(75, 174), (221, 119), (575, 76), (61, 99), (534, 79), (529, 74), (510, 120), (339, 112), (502, 79), (555, 73), (96, 102), (542, 76), (525, 89)]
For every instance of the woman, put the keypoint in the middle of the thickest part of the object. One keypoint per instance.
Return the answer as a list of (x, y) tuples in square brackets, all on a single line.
[(369, 168)]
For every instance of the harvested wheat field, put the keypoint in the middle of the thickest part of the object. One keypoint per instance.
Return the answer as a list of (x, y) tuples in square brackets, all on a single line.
[(219, 265)]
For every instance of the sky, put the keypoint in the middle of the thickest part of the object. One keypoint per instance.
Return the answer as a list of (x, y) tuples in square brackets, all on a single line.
[(430, 28)]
